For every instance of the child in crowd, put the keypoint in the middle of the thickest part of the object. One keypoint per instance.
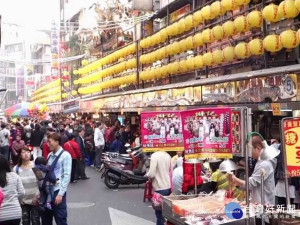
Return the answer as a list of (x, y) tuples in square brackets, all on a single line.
[(46, 187)]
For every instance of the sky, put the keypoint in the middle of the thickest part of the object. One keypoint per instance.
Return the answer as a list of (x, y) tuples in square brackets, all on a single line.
[(34, 14)]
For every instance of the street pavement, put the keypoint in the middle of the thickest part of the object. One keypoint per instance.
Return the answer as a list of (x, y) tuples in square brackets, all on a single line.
[(90, 202)]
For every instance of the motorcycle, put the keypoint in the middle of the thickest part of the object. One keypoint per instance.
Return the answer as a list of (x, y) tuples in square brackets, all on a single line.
[(124, 169)]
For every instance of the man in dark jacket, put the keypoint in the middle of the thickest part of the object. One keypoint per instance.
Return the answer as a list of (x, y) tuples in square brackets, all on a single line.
[(63, 134), (35, 141), (125, 138), (81, 163)]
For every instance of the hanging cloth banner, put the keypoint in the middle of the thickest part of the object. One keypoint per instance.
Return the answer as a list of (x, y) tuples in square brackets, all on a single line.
[(161, 131), (207, 133)]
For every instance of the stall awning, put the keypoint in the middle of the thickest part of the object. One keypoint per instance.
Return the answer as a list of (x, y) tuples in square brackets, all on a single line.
[(71, 110)]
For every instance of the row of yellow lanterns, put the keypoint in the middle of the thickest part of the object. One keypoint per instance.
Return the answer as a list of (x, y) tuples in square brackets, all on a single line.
[(272, 13), (51, 91), (287, 9), (115, 82), (273, 43), (118, 68), (115, 56), (47, 87), (209, 12), (52, 98), (228, 29)]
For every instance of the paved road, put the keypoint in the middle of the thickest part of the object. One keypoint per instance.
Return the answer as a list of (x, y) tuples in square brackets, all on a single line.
[(90, 202)]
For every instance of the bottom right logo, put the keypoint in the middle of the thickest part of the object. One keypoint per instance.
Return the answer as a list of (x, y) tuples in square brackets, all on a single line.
[(233, 211)]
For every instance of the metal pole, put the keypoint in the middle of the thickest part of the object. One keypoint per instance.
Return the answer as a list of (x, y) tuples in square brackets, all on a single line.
[(263, 196), (247, 128), (286, 175), (195, 178)]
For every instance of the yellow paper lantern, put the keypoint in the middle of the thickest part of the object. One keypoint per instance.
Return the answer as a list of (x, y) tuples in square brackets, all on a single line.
[(228, 54), (64, 95), (256, 47), (169, 30), (241, 50), (229, 5), (242, 2), (175, 29), (216, 9), (217, 32), (207, 36), (198, 40), (208, 59), (75, 72), (182, 45), (189, 43), (217, 56), (197, 17), (169, 49), (75, 82), (241, 24), (67, 84), (183, 66), (255, 19), (288, 9), (297, 4), (181, 26), (272, 43), (164, 71), (74, 93), (198, 62), (176, 47), (174, 68), (190, 63), (228, 28), (271, 13), (205, 12), (298, 36), (163, 34), (288, 39), (84, 62), (163, 52), (189, 22), (157, 38)]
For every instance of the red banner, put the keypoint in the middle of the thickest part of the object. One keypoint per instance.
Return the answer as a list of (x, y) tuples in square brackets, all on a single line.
[(207, 133), (161, 131), (291, 129)]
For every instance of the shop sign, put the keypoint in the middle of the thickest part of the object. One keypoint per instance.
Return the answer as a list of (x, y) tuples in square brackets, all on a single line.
[(224, 92), (207, 133), (276, 88), (161, 131), (291, 128), (179, 13), (276, 109)]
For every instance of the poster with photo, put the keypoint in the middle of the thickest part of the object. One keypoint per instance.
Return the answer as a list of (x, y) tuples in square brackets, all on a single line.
[(161, 131), (207, 133), (237, 145)]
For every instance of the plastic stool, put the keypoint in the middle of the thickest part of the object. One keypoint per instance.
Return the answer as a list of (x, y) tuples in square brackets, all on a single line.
[(148, 191)]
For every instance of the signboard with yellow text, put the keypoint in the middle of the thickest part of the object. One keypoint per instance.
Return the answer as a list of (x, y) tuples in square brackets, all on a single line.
[(291, 129)]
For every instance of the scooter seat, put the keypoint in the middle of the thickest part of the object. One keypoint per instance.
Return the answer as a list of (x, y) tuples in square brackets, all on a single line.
[(123, 161)]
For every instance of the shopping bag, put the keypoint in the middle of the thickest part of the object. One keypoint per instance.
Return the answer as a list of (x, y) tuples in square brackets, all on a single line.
[(156, 201)]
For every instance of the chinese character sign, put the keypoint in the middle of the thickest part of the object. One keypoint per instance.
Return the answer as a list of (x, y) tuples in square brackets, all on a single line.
[(292, 145), (207, 133), (161, 131)]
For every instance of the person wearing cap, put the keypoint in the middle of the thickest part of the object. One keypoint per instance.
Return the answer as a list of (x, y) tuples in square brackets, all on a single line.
[(219, 180), (255, 179)]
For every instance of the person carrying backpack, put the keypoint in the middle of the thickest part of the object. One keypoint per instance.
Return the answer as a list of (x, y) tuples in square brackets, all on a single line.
[(59, 172)]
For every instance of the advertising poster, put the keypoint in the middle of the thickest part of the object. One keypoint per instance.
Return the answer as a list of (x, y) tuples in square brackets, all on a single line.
[(207, 133), (291, 129), (237, 145), (161, 131)]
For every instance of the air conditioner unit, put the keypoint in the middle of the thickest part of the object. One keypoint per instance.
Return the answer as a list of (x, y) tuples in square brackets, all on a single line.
[(145, 5)]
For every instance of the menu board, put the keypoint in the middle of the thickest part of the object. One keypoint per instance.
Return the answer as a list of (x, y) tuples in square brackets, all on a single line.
[(291, 129), (161, 131), (207, 133)]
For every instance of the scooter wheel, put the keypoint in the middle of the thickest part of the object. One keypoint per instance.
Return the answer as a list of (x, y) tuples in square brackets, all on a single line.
[(111, 182)]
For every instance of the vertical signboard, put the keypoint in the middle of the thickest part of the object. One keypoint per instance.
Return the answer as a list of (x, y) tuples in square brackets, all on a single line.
[(207, 133), (291, 140), (54, 51)]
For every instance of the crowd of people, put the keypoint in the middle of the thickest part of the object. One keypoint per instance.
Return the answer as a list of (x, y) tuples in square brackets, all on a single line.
[(38, 160)]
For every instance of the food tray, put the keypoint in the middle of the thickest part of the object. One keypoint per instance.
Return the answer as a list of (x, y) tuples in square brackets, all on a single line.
[(167, 207)]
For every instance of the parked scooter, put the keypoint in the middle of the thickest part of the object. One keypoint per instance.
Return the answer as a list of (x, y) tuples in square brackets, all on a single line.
[(124, 168)]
